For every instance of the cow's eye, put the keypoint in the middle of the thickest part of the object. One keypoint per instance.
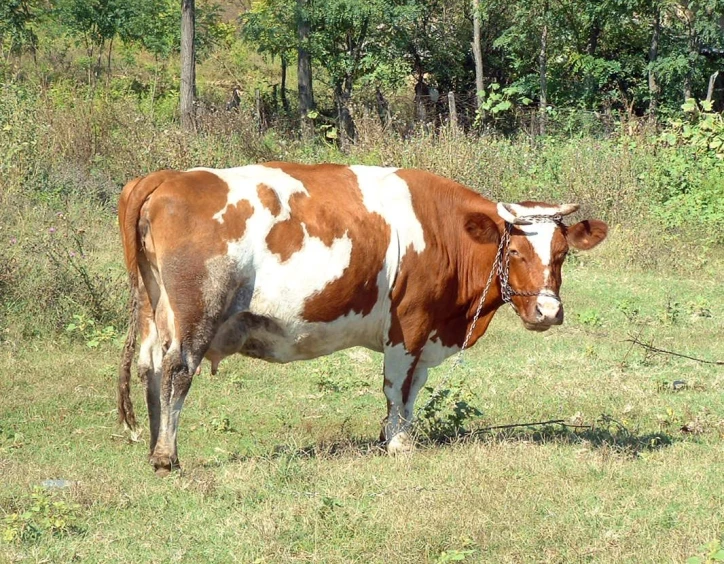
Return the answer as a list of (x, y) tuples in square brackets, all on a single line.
[(514, 253)]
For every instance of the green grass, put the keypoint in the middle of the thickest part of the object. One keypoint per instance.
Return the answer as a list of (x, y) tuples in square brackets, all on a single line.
[(280, 463)]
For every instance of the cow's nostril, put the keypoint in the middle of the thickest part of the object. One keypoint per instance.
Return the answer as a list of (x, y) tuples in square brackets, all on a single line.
[(538, 313)]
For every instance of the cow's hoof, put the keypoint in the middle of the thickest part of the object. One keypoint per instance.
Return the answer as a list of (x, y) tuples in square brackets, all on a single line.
[(400, 444), (162, 472), (163, 465)]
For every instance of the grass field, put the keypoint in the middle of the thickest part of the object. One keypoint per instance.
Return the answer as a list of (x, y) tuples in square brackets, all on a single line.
[(281, 464)]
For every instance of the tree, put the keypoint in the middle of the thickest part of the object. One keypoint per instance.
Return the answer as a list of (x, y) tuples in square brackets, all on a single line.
[(188, 65), (16, 31), (95, 23)]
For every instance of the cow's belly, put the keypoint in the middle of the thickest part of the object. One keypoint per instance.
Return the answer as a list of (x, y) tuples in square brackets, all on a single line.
[(271, 338)]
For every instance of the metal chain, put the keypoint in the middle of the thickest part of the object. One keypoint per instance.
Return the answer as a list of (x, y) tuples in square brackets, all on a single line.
[(497, 266)]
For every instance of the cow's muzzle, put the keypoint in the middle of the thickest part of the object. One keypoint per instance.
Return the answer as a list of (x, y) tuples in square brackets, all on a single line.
[(545, 312)]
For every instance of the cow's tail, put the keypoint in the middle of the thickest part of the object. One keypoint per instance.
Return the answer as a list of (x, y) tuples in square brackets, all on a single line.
[(126, 415), (133, 196)]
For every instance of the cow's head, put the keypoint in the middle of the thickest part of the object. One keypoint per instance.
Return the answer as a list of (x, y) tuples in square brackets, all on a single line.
[(535, 244)]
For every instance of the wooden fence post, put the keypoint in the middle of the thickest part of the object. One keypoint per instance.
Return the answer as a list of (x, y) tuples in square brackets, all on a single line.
[(453, 112)]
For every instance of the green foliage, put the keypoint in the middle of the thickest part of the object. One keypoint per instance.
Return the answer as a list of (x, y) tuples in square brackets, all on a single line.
[(41, 515), (17, 26), (713, 552), (590, 318), (446, 412), (85, 328), (454, 555), (10, 440), (672, 312), (690, 180)]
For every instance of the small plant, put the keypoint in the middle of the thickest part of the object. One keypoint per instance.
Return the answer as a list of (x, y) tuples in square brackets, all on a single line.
[(446, 412), (590, 318), (42, 515), (453, 556), (10, 440), (699, 307), (222, 424), (712, 552), (629, 309), (672, 312), (85, 327)]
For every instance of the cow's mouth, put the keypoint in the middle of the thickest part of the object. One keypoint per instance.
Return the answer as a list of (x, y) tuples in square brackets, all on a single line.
[(539, 327)]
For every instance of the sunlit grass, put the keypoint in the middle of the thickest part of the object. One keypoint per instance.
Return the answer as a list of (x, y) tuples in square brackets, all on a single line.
[(280, 463)]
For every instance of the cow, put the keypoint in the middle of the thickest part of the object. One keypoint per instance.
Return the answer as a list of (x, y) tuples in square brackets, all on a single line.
[(286, 262)]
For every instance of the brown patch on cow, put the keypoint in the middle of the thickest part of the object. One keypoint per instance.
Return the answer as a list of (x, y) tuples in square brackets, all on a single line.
[(285, 238), (235, 218), (324, 217), (269, 199)]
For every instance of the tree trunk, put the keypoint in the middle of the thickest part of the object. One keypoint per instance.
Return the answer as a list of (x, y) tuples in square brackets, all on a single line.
[(304, 70), (543, 62), (188, 65), (693, 52), (383, 107), (347, 130), (654, 89), (712, 83), (285, 101), (110, 50), (478, 56)]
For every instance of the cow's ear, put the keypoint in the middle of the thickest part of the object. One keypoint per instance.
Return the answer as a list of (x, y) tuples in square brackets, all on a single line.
[(481, 228), (586, 234)]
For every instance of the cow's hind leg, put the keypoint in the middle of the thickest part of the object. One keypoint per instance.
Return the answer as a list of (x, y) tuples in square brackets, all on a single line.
[(150, 358), (179, 365), (175, 383)]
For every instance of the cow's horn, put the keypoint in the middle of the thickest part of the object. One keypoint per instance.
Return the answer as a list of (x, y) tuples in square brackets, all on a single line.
[(567, 209)]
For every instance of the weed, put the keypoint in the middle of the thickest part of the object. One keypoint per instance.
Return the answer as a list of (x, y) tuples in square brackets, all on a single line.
[(10, 440), (40, 516), (85, 328), (453, 556), (672, 312), (222, 424), (590, 318), (446, 412), (629, 309), (699, 307), (712, 552)]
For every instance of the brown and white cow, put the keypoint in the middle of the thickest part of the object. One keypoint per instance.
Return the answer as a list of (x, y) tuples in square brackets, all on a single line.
[(289, 262)]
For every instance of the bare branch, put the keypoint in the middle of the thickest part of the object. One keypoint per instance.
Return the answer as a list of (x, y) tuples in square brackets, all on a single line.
[(655, 349)]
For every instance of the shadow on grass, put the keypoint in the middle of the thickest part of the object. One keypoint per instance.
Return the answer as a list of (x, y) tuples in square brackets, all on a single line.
[(352, 446), (606, 434)]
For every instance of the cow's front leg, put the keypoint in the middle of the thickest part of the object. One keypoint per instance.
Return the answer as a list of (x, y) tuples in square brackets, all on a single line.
[(400, 370), (175, 384)]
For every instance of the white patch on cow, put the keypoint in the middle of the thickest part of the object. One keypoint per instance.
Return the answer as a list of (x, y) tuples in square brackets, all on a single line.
[(540, 236), (305, 273), (243, 181), (388, 195)]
